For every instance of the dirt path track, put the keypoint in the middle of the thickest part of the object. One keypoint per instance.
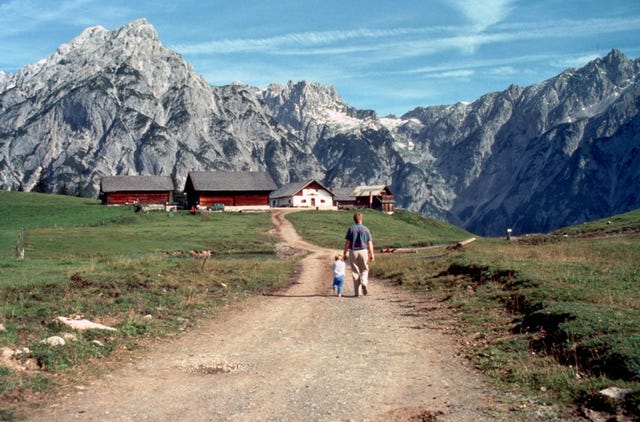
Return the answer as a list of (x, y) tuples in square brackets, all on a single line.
[(300, 355)]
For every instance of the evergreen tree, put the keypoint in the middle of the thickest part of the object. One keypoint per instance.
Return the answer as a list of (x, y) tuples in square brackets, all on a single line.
[(63, 189), (43, 183), (80, 191)]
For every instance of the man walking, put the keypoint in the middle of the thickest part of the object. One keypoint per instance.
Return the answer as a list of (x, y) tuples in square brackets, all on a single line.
[(359, 246)]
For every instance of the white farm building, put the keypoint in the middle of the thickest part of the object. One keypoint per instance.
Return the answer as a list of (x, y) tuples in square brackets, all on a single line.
[(309, 194)]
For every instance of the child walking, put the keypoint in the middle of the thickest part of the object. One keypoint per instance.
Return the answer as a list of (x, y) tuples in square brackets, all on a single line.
[(338, 275)]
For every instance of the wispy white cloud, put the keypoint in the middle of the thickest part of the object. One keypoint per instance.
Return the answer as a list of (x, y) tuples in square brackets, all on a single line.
[(502, 71), (323, 41), (574, 61), (398, 43), (453, 74), (503, 34), (497, 67), (18, 16), (503, 67), (482, 14)]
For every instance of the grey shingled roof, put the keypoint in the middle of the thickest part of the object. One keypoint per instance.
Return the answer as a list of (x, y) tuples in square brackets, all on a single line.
[(292, 188), (344, 194), (136, 183), (366, 190), (222, 181)]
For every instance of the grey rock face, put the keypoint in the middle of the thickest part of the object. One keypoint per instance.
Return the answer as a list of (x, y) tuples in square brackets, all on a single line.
[(532, 159)]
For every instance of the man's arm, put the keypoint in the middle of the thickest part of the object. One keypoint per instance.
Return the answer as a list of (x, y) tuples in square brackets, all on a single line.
[(345, 252), (372, 257)]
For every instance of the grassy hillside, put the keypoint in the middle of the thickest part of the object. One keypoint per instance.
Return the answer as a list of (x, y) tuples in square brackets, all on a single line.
[(557, 315), (402, 229), (623, 224), (20, 210)]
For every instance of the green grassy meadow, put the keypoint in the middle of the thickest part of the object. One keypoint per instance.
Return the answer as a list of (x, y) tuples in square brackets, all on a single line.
[(137, 272), (551, 319), (401, 230)]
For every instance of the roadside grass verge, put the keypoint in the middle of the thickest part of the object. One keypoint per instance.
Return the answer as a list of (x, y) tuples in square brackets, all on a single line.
[(557, 317), (142, 273)]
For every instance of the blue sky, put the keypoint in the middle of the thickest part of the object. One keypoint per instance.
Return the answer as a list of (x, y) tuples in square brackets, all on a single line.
[(389, 56)]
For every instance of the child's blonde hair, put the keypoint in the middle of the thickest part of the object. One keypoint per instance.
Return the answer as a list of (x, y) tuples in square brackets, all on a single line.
[(338, 257)]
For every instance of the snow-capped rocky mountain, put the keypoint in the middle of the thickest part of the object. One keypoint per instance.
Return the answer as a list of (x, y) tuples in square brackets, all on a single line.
[(533, 159)]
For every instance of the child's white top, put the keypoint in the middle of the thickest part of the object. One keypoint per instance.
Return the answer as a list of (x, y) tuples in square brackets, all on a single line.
[(338, 268)]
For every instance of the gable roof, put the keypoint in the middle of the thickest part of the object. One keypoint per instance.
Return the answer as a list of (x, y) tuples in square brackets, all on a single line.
[(344, 194), (370, 190), (290, 189), (217, 181), (136, 183)]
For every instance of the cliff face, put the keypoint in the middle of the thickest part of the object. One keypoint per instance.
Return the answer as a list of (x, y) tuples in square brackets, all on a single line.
[(538, 158), (533, 159)]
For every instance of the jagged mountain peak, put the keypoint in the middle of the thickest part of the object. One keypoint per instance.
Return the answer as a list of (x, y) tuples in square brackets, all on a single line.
[(305, 104), (615, 56), (305, 94), (618, 67), (139, 28), (98, 51), (615, 67), (132, 36), (135, 30)]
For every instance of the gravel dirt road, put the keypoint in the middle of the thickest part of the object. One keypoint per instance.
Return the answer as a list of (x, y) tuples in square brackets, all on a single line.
[(299, 355)]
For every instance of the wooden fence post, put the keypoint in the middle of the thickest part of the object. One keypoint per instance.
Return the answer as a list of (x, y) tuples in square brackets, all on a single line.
[(19, 247)]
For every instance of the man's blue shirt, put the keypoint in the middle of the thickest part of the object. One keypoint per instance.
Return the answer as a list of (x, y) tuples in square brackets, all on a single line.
[(359, 235)]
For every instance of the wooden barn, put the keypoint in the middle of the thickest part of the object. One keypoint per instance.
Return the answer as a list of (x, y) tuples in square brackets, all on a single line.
[(229, 188), (145, 190), (309, 194), (378, 197)]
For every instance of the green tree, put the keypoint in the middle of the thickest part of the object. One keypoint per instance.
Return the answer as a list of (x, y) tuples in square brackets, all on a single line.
[(63, 189), (43, 183)]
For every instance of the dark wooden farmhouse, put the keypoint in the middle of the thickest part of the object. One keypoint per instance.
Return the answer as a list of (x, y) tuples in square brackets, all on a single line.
[(378, 197), (145, 190), (308, 194), (229, 188), (343, 198)]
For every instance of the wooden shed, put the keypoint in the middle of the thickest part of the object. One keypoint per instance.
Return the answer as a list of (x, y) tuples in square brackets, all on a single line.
[(343, 198), (229, 188), (308, 194), (146, 190), (378, 197)]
